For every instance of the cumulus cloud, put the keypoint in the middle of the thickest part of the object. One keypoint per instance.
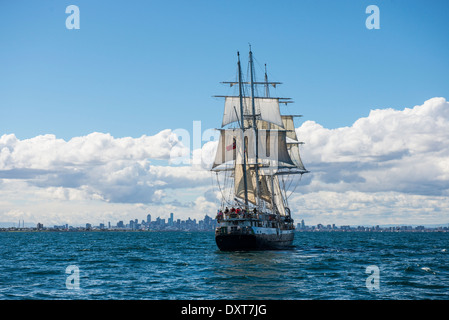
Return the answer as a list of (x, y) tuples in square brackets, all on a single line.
[(391, 165), (46, 152), (98, 166), (389, 150)]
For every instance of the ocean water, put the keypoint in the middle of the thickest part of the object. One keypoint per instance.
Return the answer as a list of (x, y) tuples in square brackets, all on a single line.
[(188, 266)]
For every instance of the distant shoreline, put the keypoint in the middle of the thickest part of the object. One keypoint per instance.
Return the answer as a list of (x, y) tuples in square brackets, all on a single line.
[(93, 230), (364, 230)]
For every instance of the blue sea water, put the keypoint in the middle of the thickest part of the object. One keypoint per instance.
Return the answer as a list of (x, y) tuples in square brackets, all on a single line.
[(183, 265)]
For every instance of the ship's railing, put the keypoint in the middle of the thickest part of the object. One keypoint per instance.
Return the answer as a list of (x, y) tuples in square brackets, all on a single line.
[(234, 230), (256, 220), (246, 216), (227, 216)]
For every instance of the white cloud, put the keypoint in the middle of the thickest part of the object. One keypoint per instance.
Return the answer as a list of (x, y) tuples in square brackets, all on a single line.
[(96, 169), (56, 205), (376, 208), (46, 152), (391, 166), (390, 150)]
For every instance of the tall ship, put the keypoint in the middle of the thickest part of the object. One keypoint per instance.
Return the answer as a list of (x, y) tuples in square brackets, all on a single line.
[(256, 164)]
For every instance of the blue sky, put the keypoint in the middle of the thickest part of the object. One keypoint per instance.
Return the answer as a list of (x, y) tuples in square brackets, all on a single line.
[(87, 116), (139, 67)]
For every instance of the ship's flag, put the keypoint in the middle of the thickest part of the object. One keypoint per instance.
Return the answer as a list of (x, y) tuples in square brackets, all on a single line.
[(231, 146)]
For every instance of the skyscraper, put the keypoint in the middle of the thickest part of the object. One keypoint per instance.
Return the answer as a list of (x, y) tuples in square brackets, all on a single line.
[(149, 219)]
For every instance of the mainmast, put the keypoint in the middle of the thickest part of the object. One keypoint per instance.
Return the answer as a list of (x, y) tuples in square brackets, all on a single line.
[(256, 168), (267, 94), (242, 127)]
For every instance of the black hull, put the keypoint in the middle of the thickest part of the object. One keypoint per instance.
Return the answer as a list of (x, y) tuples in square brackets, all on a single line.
[(249, 242)]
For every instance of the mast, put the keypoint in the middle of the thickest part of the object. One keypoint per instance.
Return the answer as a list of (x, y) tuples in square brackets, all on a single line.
[(242, 127), (267, 89), (267, 94), (254, 127)]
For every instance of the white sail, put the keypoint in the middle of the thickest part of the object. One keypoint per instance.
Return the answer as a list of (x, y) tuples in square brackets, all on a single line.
[(293, 151), (270, 191), (291, 139), (272, 148), (227, 146), (239, 185), (267, 108), (276, 193)]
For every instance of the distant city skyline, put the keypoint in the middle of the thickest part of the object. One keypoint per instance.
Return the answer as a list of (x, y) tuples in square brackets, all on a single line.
[(206, 224), (210, 223)]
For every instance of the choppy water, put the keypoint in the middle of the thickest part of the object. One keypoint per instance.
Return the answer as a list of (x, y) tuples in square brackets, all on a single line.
[(177, 265)]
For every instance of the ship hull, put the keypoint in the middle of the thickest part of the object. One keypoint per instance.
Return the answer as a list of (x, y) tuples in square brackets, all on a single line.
[(259, 240)]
